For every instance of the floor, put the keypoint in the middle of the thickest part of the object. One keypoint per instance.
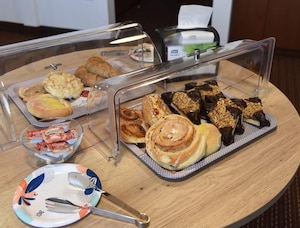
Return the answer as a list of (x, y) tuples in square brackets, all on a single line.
[(285, 75)]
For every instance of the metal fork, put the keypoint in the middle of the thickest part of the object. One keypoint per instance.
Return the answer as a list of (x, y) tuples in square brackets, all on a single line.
[(66, 206)]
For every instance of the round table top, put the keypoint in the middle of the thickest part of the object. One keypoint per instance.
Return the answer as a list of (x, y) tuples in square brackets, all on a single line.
[(232, 191)]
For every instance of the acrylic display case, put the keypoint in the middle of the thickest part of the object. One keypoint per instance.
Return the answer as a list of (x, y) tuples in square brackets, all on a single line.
[(125, 46), (241, 69)]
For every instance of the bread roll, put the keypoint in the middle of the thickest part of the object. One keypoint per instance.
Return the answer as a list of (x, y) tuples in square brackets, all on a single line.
[(87, 78), (132, 128), (99, 66), (174, 142), (46, 106), (153, 108), (213, 137)]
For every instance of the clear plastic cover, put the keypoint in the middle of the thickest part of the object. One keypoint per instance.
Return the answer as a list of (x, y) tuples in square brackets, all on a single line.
[(241, 69), (125, 46)]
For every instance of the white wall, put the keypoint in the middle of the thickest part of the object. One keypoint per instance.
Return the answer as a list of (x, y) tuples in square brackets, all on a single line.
[(85, 14), (72, 14), (221, 18)]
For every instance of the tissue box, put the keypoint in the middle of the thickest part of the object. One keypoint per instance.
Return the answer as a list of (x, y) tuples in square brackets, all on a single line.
[(177, 43)]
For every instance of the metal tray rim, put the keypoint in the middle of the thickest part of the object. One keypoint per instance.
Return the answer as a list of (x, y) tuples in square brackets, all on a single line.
[(250, 135)]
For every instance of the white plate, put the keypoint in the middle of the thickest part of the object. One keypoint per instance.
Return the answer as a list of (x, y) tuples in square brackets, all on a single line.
[(52, 181)]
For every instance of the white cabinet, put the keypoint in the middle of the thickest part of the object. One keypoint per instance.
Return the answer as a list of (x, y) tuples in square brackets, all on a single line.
[(70, 14)]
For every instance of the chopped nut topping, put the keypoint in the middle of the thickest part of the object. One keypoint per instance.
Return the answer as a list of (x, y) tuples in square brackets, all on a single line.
[(252, 107), (185, 103), (220, 115)]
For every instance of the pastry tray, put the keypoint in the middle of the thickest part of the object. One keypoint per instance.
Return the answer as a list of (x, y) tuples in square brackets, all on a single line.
[(251, 134), (79, 105)]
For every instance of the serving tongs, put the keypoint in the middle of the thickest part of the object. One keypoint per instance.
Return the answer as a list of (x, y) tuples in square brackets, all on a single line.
[(82, 181)]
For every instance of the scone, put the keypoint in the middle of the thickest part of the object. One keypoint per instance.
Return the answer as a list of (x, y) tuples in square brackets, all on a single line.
[(63, 85), (46, 106), (153, 108), (132, 127), (174, 142), (99, 66), (87, 78)]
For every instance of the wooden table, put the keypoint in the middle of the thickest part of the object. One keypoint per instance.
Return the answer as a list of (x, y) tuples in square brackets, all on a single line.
[(229, 193)]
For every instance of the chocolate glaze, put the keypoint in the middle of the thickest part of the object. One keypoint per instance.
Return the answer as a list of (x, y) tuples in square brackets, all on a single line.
[(261, 117), (227, 135), (195, 117)]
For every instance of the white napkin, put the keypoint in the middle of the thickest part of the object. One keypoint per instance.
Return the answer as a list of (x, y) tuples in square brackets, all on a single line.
[(196, 37), (194, 16)]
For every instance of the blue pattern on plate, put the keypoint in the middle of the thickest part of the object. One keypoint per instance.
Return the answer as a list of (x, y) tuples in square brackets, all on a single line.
[(94, 180), (32, 185)]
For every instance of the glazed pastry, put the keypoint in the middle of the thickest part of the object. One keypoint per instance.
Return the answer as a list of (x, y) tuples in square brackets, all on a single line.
[(63, 85), (153, 108), (174, 142), (213, 137), (46, 106), (132, 127), (26, 92), (99, 66), (87, 78)]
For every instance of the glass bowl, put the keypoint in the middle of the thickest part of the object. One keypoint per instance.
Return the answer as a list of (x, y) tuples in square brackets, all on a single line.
[(55, 143)]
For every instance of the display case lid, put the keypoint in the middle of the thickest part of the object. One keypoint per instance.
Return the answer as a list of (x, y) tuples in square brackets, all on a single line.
[(124, 46), (19, 54), (253, 57)]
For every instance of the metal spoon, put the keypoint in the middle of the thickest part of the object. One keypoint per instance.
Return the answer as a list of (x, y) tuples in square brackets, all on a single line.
[(85, 182)]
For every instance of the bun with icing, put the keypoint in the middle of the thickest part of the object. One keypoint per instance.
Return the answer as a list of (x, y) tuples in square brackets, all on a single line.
[(174, 142), (46, 106)]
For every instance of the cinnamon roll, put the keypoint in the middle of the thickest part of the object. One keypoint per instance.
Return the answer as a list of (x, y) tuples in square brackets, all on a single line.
[(132, 128), (174, 142)]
